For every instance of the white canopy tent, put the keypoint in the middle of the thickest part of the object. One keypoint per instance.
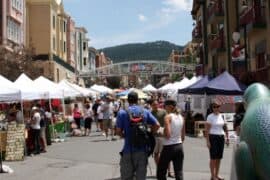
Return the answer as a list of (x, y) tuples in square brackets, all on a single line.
[(185, 82), (5, 81), (69, 91), (84, 91), (29, 90), (8, 91), (166, 87), (101, 89), (9, 94), (54, 89), (149, 88)]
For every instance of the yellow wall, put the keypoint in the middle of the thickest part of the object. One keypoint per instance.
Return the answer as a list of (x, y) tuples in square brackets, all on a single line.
[(38, 20), (40, 34)]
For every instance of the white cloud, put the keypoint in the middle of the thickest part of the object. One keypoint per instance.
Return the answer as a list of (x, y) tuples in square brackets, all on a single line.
[(142, 18), (174, 6), (168, 13)]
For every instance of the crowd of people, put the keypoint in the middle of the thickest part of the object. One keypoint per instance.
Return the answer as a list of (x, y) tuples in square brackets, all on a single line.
[(165, 122)]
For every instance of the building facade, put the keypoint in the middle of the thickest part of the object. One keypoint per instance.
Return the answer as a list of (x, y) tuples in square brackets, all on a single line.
[(12, 24), (46, 32), (92, 54), (254, 27), (232, 36), (71, 42), (82, 62)]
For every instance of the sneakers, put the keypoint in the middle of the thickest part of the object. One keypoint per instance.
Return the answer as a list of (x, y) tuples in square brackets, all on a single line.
[(171, 175), (114, 139)]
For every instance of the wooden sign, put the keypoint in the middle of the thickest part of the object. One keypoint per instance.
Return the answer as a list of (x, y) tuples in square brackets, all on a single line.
[(15, 142)]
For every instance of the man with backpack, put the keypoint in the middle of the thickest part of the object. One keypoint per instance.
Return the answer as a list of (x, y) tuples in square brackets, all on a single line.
[(132, 125)]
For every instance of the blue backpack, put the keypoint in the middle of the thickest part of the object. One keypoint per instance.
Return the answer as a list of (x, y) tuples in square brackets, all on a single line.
[(140, 136)]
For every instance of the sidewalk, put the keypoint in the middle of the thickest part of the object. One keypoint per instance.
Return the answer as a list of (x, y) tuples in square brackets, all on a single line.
[(96, 159)]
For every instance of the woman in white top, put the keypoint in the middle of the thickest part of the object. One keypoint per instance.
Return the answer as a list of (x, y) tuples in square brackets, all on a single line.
[(215, 139), (174, 135)]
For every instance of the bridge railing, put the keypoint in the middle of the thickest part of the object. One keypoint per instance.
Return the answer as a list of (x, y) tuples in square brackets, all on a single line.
[(131, 67)]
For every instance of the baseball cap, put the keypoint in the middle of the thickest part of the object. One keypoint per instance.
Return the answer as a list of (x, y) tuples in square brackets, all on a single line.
[(132, 95)]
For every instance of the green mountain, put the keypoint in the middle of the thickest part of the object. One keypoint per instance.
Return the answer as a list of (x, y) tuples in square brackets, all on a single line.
[(159, 50)]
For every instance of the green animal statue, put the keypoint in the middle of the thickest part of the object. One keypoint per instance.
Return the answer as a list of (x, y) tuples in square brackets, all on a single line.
[(252, 156)]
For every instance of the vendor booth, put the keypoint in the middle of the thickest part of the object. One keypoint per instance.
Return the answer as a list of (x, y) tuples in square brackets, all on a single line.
[(225, 88), (11, 139)]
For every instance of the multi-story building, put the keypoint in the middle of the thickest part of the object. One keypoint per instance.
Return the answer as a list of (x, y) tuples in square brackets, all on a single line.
[(213, 33), (12, 23), (46, 32), (92, 54), (199, 37), (102, 60), (82, 62), (233, 36), (254, 25)]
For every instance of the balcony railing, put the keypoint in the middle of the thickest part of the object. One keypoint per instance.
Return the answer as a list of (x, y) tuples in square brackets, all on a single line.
[(197, 31), (255, 15), (218, 41), (217, 8)]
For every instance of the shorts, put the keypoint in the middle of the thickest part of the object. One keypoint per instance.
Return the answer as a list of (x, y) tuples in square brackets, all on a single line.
[(113, 122), (159, 145), (107, 123), (87, 123), (217, 146)]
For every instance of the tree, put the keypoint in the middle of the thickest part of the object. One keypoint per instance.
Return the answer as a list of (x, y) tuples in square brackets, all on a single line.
[(18, 60)]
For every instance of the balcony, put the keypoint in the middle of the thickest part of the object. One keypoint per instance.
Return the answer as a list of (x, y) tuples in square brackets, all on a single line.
[(215, 11), (218, 43), (254, 17), (197, 33)]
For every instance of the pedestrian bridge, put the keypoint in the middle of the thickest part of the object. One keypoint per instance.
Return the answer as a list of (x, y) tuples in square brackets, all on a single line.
[(139, 67)]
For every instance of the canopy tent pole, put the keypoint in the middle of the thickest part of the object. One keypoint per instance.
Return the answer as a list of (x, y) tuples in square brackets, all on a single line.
[(25, 147), (64, 112), (50, 105)]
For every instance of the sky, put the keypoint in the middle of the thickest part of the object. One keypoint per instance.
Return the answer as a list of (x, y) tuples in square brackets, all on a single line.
[(116, 22)]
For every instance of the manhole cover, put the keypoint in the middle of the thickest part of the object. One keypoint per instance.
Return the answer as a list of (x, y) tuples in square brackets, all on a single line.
[(61, 165)]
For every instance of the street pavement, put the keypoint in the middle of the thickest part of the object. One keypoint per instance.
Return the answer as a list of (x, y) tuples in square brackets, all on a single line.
[(94, 158)]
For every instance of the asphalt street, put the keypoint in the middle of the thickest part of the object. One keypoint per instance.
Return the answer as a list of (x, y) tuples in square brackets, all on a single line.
[(94, 158)]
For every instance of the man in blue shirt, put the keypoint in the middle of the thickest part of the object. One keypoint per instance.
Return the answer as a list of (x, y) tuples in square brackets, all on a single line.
[(133, 159)]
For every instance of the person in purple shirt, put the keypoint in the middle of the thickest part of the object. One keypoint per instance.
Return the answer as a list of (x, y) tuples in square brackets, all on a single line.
[(134, 160)]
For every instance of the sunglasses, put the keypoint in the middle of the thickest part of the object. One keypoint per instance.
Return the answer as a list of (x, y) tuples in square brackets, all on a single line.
[(216, 106)]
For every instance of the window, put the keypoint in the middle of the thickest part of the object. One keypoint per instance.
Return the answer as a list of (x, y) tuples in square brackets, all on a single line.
[(64, 48), (64, 26), (14, 31), (17, 4), (54, 43), (84, 61), (84, 46), (54, 22)]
